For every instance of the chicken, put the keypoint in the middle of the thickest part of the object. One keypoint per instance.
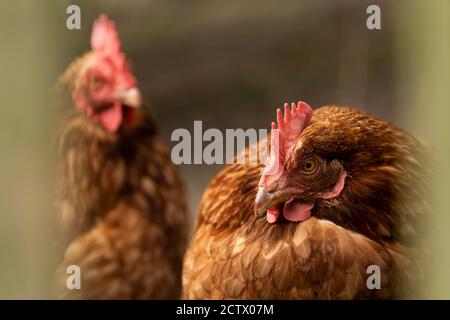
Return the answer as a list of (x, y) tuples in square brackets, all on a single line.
[(120, 200), (341, 191)]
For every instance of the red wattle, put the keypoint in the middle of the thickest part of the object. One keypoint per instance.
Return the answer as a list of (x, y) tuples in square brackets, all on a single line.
[(297, 211), (272, 214), (111, 118)]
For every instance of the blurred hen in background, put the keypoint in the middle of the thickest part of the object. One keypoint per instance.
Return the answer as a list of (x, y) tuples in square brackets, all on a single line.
[(121, 202)]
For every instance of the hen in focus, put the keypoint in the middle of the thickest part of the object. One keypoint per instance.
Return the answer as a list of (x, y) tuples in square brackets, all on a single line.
[(341, 191), (120, 200)]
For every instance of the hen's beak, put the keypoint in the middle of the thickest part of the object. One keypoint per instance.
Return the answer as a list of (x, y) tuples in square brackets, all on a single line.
[(131, 97), (262, 201), (265, 200)]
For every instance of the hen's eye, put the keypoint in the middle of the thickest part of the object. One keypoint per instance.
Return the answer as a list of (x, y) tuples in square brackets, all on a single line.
[(310, 166), (97, 82)]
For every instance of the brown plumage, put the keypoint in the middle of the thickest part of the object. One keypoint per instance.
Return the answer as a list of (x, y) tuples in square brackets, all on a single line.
[(373, 220), (120, 200)]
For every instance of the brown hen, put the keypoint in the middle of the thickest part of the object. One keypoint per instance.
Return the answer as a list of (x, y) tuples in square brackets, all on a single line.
[(341, 191), (120, 200)]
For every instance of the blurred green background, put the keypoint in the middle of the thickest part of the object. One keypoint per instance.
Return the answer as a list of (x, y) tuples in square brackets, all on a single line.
[(229, 64)]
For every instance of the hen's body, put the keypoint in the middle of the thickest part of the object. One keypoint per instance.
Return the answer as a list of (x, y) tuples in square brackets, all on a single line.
[(236, 254), (122, 212)]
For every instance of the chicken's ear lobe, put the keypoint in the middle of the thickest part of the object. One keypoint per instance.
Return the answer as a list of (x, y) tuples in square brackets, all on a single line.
[(337, 189), (104, 36)]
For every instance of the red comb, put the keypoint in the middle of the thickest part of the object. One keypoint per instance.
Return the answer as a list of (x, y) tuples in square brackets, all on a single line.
[(104, 36), (106, 43), (284, 134)]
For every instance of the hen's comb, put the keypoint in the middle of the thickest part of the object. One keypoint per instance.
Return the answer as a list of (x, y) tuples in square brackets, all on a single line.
[(284, 134), (104, 36), (295, 119)]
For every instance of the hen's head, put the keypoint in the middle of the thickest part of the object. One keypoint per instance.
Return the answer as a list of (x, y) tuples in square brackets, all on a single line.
[(103, 87), (342, 165)]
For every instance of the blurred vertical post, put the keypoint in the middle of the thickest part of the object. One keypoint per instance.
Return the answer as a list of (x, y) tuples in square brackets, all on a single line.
[(27, 70), (424, 83)]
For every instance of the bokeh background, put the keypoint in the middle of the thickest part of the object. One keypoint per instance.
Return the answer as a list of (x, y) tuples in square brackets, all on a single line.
[(229, 64)]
